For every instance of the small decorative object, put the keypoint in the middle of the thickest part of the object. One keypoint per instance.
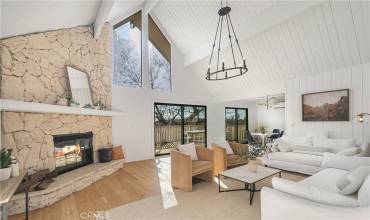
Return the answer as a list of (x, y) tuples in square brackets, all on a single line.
[(88, 106), (73, 103), (5, 164), (15, 166), (99, 105), (361, 118), (326, 106), (261, 128), (255, 151), (105, 155), (117, 152)]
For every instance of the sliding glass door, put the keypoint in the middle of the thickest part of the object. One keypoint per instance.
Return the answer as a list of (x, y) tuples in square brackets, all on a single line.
[(236, 123), (176, 124), (195, 125)]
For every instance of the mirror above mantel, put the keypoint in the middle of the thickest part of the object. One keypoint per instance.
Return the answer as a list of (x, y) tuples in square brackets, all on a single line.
[(80, 88)]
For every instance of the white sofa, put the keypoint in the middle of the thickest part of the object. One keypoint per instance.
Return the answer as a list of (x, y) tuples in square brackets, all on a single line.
[(305, 154), (317, 197)]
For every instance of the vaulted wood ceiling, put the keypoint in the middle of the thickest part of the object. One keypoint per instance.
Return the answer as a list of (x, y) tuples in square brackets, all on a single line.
[(280, 39), (330, 35)]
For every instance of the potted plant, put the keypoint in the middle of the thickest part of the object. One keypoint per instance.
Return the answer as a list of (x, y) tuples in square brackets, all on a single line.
[(255, 151), (5, 164), (261, 128)]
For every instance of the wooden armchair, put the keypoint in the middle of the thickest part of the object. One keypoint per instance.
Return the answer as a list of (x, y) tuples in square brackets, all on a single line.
[(223, 160), (183, 169)]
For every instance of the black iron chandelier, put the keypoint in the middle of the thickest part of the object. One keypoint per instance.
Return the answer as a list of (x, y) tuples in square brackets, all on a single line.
[(222, 71)]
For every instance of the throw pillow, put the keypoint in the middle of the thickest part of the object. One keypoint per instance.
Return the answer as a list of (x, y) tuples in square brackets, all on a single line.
[(226, 145), (364, 193), (283, 145), (365, 150), (302, 141), (117, 152), (336, 144), (349, 151), (189, 149), (312, 193), (343, 162), (352, 181)]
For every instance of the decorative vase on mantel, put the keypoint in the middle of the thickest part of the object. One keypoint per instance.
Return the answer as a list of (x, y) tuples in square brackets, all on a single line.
[(252, 165)]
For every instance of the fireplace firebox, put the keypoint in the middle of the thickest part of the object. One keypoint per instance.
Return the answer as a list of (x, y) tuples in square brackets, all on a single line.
[(72, 151)]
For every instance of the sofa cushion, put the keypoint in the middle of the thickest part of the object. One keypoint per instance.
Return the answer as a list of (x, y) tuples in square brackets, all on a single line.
[(336, 144), (200, 166), (292, 157), (351, 182), (325, 179), (344, 162), (310, 148), (309, 152), (317, 134), (302, 141), (364, 193), (189, 149), (313, 193), (349, 151), (226, 145)]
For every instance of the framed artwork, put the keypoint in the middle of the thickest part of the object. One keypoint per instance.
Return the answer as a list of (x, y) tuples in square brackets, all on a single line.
[(326, 106)]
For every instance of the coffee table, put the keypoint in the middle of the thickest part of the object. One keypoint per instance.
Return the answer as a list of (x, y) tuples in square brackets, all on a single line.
[(249, 178)]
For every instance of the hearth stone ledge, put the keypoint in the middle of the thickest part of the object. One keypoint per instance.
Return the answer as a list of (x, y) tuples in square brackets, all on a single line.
[(64, 185)]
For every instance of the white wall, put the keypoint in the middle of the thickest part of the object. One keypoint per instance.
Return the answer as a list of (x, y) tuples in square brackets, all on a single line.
[(272, 118), (135, 130), (356, 78), (216, 118)]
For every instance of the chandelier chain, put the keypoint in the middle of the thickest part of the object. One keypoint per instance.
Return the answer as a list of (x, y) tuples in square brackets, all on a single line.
[(214, 42), (236, 39), (231, 43)]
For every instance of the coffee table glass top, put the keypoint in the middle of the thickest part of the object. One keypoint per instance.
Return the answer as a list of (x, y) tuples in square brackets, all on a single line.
[(243, 174)]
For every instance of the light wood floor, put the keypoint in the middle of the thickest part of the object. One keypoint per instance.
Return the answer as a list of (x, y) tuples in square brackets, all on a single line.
[(135, 181)]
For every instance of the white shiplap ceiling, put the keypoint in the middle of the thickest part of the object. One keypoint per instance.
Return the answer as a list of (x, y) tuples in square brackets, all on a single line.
[(24, 17), (326, 36), (280, 39)]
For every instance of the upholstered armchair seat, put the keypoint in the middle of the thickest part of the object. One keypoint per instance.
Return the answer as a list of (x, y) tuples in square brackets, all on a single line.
[(183, 169), (201, 166), (223, 160)]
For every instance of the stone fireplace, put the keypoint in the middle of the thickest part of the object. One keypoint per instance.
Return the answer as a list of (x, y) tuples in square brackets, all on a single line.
[(72, 151), (34, 82)]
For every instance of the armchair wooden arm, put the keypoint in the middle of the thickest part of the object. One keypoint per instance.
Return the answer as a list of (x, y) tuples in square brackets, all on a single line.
[(181, 170), (220, 160)]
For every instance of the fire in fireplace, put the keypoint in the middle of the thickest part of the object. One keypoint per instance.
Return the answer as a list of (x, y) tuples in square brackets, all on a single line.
[(72, 151)]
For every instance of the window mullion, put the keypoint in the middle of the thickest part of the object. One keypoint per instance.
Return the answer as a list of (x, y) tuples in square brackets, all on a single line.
[(145, 52)]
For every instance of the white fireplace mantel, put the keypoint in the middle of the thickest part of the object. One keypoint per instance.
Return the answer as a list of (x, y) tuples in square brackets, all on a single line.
[(20, 106)]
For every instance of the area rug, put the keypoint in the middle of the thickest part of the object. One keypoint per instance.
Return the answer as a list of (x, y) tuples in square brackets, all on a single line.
[(204, 202)]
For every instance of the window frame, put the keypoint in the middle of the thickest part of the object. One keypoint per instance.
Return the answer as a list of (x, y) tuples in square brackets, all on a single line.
[(117, 25), (236, 121), (182, 122), (164, 35)]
